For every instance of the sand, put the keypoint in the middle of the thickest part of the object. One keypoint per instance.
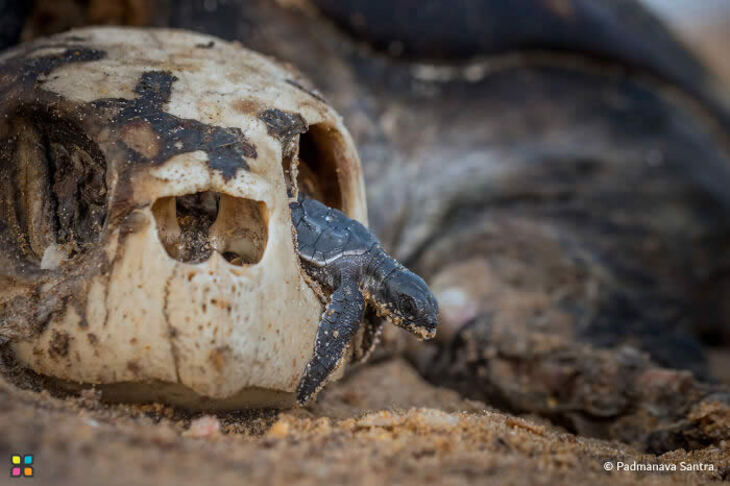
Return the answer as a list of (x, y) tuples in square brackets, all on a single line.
[(381, 425)]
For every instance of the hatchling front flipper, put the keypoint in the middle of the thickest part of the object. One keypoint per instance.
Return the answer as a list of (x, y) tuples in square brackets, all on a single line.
[(372, 328), (340, 321)]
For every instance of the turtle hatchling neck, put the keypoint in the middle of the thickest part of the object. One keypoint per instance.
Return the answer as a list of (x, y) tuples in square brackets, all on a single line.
[(380, 268)]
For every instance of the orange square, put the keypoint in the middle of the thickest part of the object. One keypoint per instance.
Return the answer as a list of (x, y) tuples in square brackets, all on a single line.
[(28, 472)]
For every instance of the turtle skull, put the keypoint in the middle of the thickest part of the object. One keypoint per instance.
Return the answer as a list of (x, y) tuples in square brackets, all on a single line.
[(146, 242)]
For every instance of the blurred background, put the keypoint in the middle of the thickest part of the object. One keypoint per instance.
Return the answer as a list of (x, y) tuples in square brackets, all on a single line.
[(703, 25)]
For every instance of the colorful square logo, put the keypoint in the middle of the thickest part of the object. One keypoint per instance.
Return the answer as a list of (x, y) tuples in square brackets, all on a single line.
[(21, 466)]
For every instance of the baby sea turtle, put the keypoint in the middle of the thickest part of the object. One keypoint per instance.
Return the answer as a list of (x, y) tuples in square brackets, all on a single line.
[(344, 257)]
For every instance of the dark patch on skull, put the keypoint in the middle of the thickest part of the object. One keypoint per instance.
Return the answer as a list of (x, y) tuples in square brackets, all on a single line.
[(285, 127), (20, 73), (58, 347), (30, 68), (75, 38), (208, 45), (227, 148), (133, 366), (74, 196), (81, 312), (282, 125), (47, 155), (246, 106)]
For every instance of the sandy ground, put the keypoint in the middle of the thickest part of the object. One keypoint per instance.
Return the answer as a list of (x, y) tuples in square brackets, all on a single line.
[(381, 425)]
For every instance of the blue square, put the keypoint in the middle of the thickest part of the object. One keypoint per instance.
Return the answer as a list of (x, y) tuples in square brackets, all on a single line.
[(28, 459)]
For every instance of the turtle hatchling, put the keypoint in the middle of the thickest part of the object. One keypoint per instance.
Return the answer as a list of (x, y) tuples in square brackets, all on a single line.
[(340, 254)]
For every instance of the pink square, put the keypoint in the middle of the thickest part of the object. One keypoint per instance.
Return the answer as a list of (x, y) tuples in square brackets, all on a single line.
[(15, 472)]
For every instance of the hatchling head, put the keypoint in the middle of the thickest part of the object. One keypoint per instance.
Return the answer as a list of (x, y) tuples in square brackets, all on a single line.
[(146, 242)]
